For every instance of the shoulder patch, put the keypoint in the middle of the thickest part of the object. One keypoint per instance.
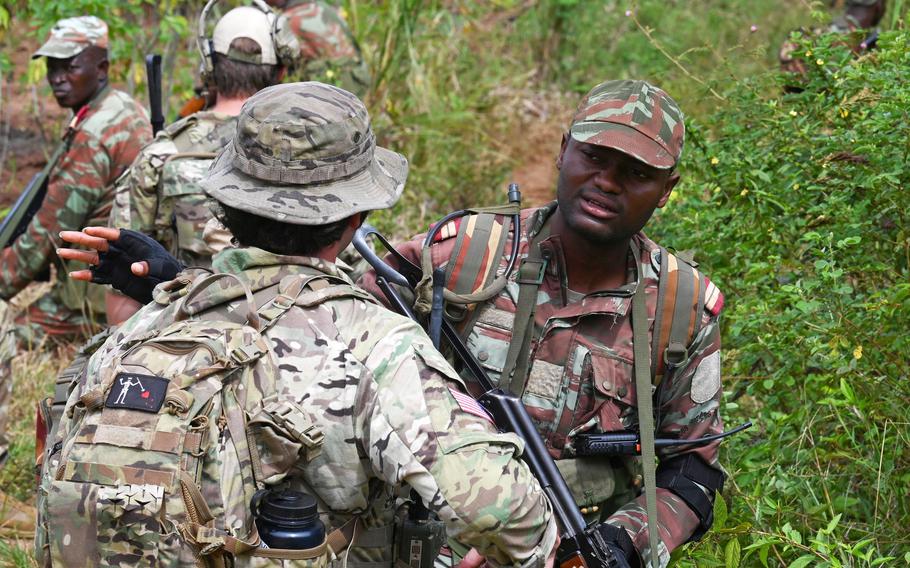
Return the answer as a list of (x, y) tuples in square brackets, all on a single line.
[(471, 406), (706, 381), (448, 231), (714, 298), (137, 392)]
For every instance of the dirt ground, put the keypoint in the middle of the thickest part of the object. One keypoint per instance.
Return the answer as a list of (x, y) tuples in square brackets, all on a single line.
[(29, 122), (536, 141)]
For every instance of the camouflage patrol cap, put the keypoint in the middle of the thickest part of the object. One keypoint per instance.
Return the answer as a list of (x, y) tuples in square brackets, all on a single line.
[(633, 117), (69, 37), (304, 153)]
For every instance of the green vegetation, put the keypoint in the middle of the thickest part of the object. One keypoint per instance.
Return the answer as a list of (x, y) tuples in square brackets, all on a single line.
[(794, 203)]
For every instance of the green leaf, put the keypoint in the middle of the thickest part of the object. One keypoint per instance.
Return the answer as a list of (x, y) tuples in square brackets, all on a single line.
[(802, 561), (720, 511), (732, 554), (833, 524), (763, 554)]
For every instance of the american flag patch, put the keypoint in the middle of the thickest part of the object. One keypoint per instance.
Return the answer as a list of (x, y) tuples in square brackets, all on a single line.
[(714, 299), (471, 406)]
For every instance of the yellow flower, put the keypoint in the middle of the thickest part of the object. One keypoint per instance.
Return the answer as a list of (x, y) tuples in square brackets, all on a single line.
[(819, 61), (744, 193), (343, 13), (796, 186), (809, 53), (329, 73), (714, 161), (793, 113), (858, 352), (844, 113)]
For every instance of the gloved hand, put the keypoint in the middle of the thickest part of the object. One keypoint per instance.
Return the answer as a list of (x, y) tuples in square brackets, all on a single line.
[(114, 265)]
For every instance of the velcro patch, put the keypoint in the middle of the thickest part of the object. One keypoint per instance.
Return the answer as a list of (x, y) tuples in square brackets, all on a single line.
[(137, 392), (471, 406)]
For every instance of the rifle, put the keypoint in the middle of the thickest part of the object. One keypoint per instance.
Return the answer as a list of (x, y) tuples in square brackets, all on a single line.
[(153, 70), (30, 200)]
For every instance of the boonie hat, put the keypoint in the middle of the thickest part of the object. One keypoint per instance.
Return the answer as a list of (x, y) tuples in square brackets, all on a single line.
[(633, 117), (245, 22), (304, 153), (69, 37)]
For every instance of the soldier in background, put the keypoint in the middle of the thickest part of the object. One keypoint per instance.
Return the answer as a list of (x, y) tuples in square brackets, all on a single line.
[(389, 408), (857, 25), (109, 129), (160, 195), (328, 49)]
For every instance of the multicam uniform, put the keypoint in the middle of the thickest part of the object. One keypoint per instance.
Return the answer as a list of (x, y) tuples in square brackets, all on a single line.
[(373, 384), (581, 379), (329, 51), (79, 194), (160, 195)]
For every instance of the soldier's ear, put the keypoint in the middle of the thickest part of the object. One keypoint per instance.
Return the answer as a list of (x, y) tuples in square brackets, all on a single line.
[(668, 188), (562, 150)]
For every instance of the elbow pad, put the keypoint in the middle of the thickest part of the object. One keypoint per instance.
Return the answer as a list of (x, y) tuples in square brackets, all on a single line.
[(693, 481)]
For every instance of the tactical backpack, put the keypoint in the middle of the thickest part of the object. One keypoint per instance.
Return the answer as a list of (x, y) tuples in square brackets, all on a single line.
[(182, 204), (164, 448)]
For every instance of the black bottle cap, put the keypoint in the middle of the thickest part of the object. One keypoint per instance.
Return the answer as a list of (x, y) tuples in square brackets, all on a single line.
[(286, 508)]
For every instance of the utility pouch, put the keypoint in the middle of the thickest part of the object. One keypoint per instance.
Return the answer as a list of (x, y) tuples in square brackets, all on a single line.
[(417, 541)]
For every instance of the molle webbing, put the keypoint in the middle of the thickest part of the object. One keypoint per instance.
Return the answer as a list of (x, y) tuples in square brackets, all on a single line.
[(677, 319)]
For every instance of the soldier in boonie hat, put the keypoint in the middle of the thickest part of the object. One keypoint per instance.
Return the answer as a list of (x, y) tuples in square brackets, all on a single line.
[(69, 37), (633, 117), (304, 154)]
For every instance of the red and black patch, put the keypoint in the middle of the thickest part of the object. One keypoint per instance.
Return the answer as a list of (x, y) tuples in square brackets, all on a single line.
[(137, 392)]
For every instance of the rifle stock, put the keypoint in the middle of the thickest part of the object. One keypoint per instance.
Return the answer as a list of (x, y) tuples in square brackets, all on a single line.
[(26, 206), (32, 197)]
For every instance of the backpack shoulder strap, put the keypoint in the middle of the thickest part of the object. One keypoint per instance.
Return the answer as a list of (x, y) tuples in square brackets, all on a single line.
[(682, 292)]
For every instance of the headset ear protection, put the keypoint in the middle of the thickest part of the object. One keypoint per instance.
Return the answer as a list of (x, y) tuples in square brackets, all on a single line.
[(287, 48)]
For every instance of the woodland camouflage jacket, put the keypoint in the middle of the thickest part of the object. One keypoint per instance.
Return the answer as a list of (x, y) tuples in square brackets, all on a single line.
[(581, 379), (380, 393), (79, 194)]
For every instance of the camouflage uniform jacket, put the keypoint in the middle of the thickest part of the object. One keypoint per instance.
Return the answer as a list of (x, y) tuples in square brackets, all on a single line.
[(373, 384), (581, 380), (159, 196), (328, 50), (79, 194)]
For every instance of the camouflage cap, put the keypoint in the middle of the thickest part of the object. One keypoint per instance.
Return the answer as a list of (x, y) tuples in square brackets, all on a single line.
[(633, 117), (304, 153), (69, 37), (245, 22)]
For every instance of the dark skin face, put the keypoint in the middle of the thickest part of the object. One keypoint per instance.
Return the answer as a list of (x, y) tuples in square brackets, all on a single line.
[(76, 80), (605, 197)]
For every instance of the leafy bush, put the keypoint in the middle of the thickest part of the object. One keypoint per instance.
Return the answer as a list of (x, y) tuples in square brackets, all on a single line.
[(799, 205)]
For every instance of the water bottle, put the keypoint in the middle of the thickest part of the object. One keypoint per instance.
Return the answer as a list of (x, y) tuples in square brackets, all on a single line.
[(287, 519)]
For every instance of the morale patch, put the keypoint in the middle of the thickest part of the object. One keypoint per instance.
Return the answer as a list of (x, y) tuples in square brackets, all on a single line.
[(137, 392), (706, 381)]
